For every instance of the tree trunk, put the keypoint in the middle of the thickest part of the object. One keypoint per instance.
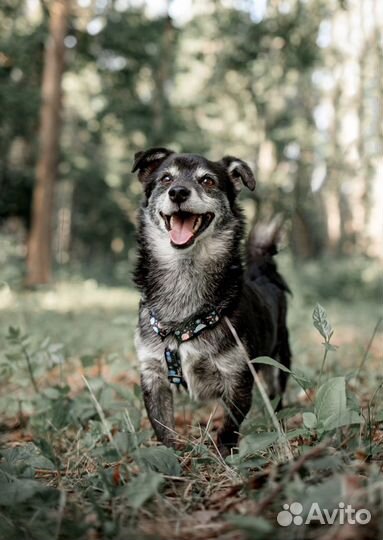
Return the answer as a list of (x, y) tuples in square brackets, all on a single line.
[(162, 77), (39, 260)]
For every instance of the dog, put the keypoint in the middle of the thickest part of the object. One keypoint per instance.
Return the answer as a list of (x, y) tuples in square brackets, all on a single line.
[(192, 278)]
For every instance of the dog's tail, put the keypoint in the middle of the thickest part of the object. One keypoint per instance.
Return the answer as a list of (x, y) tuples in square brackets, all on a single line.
[(261, 248)]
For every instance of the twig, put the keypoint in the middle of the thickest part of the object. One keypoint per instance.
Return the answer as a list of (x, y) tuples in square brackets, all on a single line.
[(375, 394), (29, 364), (369, 346), (173, 431), (101, 414), (62, 503), (203, 437), (220, 458), (262, 391), (131, 428)]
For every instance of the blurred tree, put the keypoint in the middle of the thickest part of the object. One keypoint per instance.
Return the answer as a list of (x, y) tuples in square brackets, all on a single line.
[(20, 40), (258, 101), (293, 87), (39, 261)]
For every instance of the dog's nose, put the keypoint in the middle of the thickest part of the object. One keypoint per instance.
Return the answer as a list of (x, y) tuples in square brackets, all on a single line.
[(179, 194)]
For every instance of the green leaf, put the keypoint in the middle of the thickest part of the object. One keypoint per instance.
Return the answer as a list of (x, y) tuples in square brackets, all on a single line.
[(300, 379), (28, 455), (303, 381), (51, 393), (158, 458), (378, 417), (47, 450), (331, 401), (329, 347), (299, 432), (270, 362), (310, 420), (13, 332), (133, 418), (14, 491), (255, 442), (333, 462), (345, 418), (256, 527), (322, 323), (288, 412), (327, 494), (13, 356), (87, 360), (55, 348), (142, 488), (127, 441)]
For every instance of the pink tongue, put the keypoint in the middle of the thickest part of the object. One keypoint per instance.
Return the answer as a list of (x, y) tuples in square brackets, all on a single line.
[(182, 229)]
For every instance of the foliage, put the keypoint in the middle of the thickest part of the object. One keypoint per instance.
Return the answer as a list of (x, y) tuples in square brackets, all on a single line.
[(78, 459), (81, 460), (225, 81)]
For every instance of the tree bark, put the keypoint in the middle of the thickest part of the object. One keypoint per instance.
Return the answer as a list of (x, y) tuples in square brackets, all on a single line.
[(39, 259), (162, 78)]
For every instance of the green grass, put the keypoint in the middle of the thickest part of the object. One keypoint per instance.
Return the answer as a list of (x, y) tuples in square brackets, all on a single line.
[(81, 462)]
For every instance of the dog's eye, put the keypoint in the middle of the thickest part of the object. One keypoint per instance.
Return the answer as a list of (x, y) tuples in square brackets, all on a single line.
[(207, 181), (166, 180)]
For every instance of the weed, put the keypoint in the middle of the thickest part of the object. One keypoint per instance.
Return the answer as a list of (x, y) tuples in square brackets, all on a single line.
[(79, 461)]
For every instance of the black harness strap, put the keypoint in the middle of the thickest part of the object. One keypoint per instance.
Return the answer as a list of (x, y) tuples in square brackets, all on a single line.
[(187, 330)]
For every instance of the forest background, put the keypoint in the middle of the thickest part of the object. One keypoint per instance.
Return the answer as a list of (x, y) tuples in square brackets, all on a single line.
[(294, 87)]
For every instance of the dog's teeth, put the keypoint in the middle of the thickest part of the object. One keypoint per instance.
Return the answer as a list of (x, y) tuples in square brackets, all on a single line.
[(197, 223), (171, 222)]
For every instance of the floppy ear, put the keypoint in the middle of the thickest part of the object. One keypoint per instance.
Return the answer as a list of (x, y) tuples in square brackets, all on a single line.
[(146, 162), (239, 173)]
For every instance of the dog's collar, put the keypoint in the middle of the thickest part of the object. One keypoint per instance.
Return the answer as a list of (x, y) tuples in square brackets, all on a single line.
[(190, 328)]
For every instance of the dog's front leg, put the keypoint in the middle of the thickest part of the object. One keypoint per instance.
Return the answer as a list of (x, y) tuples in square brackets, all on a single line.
[(158, 399), (236, 405)]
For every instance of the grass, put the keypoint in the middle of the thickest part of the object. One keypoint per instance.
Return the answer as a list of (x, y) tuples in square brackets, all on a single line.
[(79, 460)]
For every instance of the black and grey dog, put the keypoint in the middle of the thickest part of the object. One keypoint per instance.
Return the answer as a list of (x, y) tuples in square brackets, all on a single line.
[(192, 277)]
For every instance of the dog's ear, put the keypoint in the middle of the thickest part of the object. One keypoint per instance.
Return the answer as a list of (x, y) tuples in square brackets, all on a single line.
[(239, 173), (147, 161)]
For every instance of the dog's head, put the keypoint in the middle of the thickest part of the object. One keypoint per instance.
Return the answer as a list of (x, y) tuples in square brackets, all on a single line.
[(188, 197)]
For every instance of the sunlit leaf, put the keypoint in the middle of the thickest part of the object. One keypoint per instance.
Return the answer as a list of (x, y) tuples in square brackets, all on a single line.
[(310, 420), (321, 322), (331, 398)]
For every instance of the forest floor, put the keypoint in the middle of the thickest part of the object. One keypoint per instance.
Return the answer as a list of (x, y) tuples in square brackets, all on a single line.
[(79, 460)]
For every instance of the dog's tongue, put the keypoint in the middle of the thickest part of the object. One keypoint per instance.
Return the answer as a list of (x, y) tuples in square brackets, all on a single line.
[(181, 229)]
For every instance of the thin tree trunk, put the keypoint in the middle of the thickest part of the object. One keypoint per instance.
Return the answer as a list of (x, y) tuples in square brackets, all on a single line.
[(39, 260), (162, 77)]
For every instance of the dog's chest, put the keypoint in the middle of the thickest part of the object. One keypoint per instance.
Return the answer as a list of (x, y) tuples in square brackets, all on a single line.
[(210, 374), (209, 371)]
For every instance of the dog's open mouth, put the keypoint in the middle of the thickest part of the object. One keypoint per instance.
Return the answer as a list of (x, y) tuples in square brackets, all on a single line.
[(184, 227)]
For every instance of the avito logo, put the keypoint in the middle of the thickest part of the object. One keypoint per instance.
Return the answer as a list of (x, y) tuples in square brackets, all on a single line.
[(291, 513)]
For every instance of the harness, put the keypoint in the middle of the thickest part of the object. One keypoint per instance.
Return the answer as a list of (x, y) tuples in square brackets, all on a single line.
[(187, 330)]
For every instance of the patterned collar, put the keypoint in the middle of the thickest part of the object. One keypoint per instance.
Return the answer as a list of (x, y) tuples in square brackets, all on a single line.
[(190, 328)]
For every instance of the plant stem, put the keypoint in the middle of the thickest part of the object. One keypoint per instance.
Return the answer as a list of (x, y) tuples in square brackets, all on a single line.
[(29, 364), (323, 363), (369, 346)]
